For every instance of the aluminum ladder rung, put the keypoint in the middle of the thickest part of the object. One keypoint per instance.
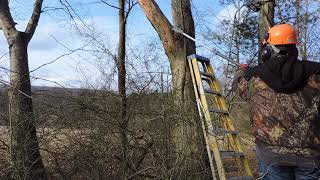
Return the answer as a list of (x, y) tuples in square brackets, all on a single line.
[(240, 178), (209, 91), (231, 154), (206, 74), (223, 131), (218, 111)]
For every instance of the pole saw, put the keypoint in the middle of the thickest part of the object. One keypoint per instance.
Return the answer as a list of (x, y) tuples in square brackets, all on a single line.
[(216, 52)]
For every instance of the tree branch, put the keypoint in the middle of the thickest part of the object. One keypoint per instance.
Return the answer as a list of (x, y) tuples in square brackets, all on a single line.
[(33, 22), (105, 2), (160, 23), (130, 7), (6, 21), (139, 172)]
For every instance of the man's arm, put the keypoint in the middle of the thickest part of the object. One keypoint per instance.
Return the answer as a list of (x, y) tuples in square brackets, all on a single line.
[(241, 85)]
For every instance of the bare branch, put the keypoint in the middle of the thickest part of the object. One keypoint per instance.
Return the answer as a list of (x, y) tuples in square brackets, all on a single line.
[(105, 2), (70, 11), (71, 51), (56, 59), (160, 23), (14, 87), (5, 54), (131, 4), (46, 9), (33, 22), (139, 172), (6, 21), (47, 80)]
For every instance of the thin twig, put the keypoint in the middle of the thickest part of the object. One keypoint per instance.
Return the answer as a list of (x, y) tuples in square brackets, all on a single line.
[(145, 169)]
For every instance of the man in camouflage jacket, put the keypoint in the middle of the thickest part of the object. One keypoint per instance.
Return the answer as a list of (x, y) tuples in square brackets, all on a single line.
[(284, 98), (285, 123)]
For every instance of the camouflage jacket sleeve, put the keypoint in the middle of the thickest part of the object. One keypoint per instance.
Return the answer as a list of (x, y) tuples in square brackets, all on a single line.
[(243, 89), (241, 85)]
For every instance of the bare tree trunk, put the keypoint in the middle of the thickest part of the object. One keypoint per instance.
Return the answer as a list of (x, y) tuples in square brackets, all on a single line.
[(302, 26), (121, 65), (24, 144), (266, 20), (304, 51), (182, 18), (186, 134), (25, 155)]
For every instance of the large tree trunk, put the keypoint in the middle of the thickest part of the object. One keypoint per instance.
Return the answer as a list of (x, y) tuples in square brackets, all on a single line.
[(24, 145), (186, 135), (266, 21), (182, 18), (121, 65)]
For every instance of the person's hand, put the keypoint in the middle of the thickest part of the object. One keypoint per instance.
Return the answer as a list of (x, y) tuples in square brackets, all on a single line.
[(241, 70), (244, 67), (238, 74)]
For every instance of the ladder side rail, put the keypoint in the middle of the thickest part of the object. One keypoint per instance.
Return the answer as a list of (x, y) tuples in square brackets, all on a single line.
[(230, 125), (214, 85), (214, 144), (214, 177)]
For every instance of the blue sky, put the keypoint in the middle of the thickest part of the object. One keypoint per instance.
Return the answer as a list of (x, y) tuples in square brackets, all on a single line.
[(56, 37)]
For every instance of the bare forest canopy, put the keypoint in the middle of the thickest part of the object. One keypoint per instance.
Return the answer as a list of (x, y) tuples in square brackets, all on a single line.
[(100, 89)]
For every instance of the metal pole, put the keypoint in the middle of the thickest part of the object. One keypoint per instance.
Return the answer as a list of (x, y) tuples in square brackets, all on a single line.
[(178, 30)]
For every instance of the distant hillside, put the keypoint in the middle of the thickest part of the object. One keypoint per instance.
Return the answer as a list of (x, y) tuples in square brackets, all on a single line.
[(49, 98)]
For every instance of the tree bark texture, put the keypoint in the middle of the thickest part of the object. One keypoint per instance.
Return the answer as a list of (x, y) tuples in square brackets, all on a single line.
[(121, 65), (25, 147), (186, 135), (266, 19), (177, 48), (302, 15), (25, 154)]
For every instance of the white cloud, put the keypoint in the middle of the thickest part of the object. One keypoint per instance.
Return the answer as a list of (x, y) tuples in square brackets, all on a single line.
[(44, 47)]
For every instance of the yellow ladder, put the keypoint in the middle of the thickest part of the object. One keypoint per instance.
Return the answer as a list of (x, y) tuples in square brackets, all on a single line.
[(224, 149)]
